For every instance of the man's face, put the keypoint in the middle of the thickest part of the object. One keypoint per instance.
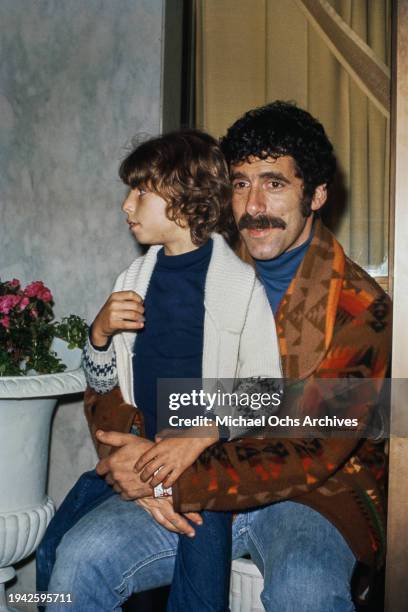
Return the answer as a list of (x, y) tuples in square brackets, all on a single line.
[(266, 202)]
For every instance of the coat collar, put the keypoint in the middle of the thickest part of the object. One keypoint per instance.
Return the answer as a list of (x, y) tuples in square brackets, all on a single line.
[(306, 316)]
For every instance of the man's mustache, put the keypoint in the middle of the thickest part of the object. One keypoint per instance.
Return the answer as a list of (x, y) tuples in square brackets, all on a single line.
[(260, 222)]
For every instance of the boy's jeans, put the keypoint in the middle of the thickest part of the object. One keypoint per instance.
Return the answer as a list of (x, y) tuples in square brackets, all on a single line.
[(203, 565), (118, 548)]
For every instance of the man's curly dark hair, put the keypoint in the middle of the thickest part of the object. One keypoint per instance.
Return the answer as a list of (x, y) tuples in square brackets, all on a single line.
[(278, 129), (188, 170)]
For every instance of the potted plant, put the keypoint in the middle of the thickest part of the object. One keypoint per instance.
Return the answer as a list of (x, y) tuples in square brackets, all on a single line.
[(39, 361)]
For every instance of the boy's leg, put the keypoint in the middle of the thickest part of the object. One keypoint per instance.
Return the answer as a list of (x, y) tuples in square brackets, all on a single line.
[(203, 566), (115, 550), (89, 491)]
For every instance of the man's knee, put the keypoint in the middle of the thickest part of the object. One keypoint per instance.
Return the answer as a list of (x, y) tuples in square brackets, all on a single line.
[(119, 546), (81, 563), (77, 549), (303, 558), (312, 590)]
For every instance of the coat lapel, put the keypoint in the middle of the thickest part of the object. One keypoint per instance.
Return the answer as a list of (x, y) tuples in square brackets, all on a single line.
[(306, 316)]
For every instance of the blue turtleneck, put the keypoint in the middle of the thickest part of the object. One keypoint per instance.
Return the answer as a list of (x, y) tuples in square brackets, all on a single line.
[(171, 343), (276, 274)]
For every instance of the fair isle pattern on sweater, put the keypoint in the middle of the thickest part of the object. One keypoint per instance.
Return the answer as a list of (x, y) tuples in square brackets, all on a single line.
[(101, 374)]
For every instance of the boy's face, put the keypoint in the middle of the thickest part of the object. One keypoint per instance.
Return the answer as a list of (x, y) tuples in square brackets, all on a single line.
[(147, 220)]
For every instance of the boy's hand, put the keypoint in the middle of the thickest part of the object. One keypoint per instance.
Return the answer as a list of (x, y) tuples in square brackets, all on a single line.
[(174, 455), (123, 311)]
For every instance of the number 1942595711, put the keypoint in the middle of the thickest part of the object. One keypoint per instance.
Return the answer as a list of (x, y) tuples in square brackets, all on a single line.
[(39, 598)]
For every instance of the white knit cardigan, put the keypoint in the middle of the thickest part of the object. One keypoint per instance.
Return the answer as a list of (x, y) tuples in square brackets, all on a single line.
[(239, 328)]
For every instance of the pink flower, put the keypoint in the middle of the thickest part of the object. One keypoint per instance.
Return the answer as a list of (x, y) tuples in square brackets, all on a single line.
[(4, 304), (23, 304), (8, 302), (34, 313), (45, 295), (14, 284), (38, 290), (33, 289), (5, 322)]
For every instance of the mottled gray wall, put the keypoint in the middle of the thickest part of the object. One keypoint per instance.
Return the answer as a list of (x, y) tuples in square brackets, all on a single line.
[(77, 80)]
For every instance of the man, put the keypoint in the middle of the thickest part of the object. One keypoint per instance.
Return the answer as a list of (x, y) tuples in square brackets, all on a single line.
[(332, 322)]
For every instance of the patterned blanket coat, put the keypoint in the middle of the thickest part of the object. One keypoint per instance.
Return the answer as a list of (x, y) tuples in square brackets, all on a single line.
[(333, 322)]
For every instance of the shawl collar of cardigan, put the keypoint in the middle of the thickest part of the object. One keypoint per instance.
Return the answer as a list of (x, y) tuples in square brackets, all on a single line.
[(228, 281), (307, 313)]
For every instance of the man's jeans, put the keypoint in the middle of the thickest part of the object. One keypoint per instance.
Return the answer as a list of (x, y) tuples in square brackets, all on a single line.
[(89, 491), (118, 549)]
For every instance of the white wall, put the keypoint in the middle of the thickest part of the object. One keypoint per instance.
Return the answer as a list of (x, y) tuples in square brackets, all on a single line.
[(77, 81)]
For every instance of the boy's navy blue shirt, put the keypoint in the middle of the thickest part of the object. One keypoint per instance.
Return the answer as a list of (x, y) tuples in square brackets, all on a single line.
[(277, 274), (171, 342)]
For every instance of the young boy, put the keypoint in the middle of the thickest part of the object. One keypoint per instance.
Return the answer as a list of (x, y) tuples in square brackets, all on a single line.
[(204, 312)]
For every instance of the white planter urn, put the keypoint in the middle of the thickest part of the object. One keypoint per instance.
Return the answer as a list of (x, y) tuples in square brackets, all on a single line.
[(26, 407)]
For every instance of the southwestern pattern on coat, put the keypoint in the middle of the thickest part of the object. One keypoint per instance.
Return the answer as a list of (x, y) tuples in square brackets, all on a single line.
[(333, 322)]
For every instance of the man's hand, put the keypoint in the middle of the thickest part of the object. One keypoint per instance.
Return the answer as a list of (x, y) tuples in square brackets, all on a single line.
[(173, 455), (163, 512), (123, 311), (119, 468)]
